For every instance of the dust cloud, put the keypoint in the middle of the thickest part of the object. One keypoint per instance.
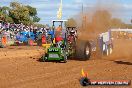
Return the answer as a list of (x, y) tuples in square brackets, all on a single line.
[(97, 19), (122, 50)]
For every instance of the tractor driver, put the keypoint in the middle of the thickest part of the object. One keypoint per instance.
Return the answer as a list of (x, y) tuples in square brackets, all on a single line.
[(58, 34), (59, 29)]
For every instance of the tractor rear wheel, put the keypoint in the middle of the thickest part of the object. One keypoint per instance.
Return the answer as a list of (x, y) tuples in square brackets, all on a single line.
[(83, 50)]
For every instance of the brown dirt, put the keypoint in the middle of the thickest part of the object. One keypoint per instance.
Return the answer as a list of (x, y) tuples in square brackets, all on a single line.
[(20, 68)]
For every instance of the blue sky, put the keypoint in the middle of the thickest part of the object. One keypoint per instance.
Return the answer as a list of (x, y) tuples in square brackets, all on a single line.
[(47, 9)]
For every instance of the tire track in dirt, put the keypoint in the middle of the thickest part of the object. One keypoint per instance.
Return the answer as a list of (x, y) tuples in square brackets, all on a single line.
[(38, 77), (47, 67)]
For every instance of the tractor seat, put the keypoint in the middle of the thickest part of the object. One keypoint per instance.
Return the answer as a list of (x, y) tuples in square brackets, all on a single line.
[(58, 39)]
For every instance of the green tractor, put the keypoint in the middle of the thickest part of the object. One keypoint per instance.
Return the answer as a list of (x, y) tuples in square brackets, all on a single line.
[(67, 46), (57, 51)]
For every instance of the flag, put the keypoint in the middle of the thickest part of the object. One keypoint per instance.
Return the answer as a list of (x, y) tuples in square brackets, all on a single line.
[(59, 12), (83, 74)]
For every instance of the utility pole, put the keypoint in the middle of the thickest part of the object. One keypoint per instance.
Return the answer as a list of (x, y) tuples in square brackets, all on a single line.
[(82, 16)]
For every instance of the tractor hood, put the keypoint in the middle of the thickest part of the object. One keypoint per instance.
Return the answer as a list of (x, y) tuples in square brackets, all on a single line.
[(54, 53)]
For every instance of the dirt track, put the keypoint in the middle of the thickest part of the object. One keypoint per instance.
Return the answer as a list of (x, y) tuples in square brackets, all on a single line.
[(20, 68)]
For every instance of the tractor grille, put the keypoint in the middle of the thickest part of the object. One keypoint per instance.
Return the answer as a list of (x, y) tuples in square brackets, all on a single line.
[(53, 49), (53, 56)]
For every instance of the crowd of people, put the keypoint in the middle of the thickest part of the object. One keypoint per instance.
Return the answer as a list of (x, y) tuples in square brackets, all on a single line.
[(12, 29)]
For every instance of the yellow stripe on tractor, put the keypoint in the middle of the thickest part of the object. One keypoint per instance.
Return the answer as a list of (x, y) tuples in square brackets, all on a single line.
[(46, 46)]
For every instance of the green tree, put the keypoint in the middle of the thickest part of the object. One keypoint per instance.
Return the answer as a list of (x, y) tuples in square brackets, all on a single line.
[(32, 11), (23, 14), (38, 25), (19, 13), (5, 10), (15, 5), (33, 14), (4, 14), (36, 19)]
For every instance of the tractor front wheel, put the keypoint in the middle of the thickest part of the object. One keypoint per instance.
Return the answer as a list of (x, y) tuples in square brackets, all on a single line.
[(43, 58), (65, 57)]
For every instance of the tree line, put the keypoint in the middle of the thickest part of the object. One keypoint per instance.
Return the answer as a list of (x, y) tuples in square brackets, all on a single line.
[(19, 13)]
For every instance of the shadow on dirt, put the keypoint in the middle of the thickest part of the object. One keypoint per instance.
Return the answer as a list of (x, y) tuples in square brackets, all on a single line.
[(15, 48), (77, 59), (122, 62), (40, 60), (69, 59)]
